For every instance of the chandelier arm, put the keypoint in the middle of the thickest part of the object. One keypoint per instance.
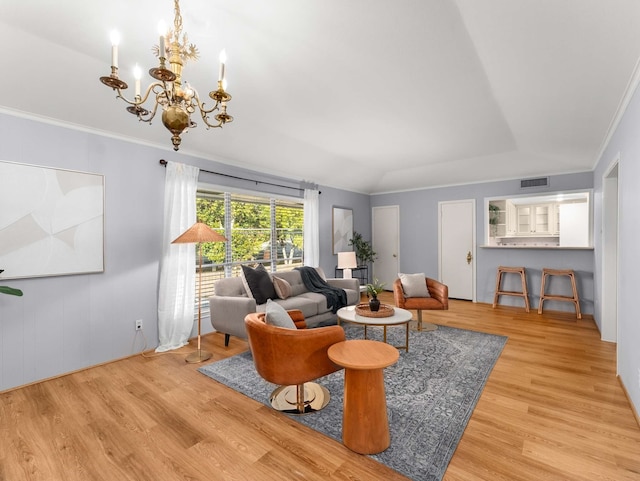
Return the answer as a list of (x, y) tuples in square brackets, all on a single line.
[(204, 113), (139, 100), (165, 91), (205, 119), (148, 116), (201, 105)]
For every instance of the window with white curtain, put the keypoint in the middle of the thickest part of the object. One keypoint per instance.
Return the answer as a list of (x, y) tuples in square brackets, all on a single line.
[(259, 229)]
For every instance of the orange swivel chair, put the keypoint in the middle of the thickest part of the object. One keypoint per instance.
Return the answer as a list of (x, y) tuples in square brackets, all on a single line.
[(293, 358), (439, 300)]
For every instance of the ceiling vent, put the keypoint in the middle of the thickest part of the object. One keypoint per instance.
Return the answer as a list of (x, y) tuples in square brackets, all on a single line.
[(539, 182)]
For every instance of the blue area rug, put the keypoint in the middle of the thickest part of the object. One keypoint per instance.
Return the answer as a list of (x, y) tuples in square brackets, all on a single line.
[(431, 393)]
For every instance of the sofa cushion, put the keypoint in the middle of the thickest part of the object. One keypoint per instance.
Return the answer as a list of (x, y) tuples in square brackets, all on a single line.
[(276, 315), (414, 285), (282, 287), (353, 296), (230, 287), (318, 299), (295, 280), (259, 283), (321, 273), (308, 307)]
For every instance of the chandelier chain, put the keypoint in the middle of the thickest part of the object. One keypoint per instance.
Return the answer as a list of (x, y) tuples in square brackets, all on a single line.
[(177, 20)]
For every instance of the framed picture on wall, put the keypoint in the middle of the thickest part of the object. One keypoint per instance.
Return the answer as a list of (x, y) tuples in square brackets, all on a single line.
[(51, 221), (342, 228)]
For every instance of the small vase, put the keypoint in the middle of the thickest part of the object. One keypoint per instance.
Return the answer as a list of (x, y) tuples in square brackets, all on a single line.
[(374, 304)]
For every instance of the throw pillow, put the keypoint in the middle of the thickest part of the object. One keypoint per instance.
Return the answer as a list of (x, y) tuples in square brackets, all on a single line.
[(259, 283), (276, 315), (321, 273), (282, 287), (414, 285)]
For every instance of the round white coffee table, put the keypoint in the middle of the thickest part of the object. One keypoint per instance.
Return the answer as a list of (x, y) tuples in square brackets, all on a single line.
[(399, 317)]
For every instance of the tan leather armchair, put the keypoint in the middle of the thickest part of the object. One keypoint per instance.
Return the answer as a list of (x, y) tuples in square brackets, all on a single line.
[(292, 358), (439, 300)]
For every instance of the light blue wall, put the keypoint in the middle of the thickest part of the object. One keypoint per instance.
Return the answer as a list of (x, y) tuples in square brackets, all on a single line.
[(330, 197), (626, 143), (419, 239), (66, 323)]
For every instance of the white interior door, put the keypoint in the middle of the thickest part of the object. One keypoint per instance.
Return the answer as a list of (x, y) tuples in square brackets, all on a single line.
[(456, 264), (386, 242)]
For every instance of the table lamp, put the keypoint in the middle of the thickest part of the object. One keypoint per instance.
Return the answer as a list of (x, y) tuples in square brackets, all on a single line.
[(346, 262), (197, 234)]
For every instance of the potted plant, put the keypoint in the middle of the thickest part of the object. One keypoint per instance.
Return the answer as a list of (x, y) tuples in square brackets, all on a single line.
[(364, 250), (373, 289), (494, 215), (9, 290)]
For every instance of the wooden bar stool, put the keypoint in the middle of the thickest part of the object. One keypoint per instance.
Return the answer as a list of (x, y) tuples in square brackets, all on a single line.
[(499, 292), (555, 297)]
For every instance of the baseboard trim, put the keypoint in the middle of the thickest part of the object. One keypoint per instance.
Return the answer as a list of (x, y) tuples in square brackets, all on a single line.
[(148, 353), (633, 408)]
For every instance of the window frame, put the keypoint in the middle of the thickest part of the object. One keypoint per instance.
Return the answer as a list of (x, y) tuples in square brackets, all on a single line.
[(231, 267)]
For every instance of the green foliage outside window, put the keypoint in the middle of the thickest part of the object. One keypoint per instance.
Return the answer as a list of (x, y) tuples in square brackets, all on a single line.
[(211, 212), (289, 228), (251, 229)]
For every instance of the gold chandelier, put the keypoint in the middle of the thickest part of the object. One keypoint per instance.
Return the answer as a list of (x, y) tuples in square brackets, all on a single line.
[(178, 101)]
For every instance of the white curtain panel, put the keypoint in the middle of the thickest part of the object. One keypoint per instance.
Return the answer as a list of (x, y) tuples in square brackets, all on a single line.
[(311, 228), (176, 292)]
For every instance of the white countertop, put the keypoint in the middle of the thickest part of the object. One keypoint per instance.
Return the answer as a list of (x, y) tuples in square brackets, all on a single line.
[(538, 247)]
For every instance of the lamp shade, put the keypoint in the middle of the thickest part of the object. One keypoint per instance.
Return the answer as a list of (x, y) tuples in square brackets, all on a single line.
[(197, 233), (347, 260)]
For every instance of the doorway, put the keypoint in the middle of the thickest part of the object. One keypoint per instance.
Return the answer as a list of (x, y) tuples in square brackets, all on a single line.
[(609, 321), (386, 242), (456, 247)]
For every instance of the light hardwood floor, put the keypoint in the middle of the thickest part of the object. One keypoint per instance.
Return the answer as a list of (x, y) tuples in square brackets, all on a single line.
[(552, 409)]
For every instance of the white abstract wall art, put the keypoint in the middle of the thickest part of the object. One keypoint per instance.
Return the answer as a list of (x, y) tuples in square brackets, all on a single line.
[(51, 221), (342, 229)]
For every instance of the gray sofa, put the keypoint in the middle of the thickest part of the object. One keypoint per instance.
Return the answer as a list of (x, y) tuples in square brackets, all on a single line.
[(230, 303)]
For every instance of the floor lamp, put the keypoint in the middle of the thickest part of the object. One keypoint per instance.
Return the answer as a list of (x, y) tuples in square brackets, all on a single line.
[(197, 234)]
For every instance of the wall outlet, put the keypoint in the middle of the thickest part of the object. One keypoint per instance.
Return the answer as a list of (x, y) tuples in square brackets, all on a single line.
[(139, 325)]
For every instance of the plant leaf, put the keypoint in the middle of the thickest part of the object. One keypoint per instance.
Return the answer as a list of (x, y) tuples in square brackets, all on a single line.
[(10, 290)]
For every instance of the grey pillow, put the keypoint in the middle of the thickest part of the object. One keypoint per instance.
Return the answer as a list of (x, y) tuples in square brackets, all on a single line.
[(414, 285), (276, 315)]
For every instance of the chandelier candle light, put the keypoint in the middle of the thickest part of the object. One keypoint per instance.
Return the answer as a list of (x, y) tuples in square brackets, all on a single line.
[(178, 101)]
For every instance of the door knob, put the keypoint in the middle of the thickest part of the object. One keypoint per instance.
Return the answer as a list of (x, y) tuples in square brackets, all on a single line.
[(469, 257)]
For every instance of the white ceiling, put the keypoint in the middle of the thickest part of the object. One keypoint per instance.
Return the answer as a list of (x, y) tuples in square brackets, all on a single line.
[(367, 95)]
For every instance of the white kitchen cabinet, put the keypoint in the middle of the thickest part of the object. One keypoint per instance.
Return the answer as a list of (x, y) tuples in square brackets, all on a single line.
[(540, 221), (535, 220), (511, 218), (503, 219)]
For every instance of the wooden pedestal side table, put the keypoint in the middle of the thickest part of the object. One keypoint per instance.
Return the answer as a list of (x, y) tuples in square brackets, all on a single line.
[(365, 426)]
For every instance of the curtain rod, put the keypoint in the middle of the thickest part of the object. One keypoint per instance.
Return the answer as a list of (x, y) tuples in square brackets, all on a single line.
[(164, 163)]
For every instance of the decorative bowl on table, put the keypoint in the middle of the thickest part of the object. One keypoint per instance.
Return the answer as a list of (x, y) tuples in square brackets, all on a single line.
[(363, 309)]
